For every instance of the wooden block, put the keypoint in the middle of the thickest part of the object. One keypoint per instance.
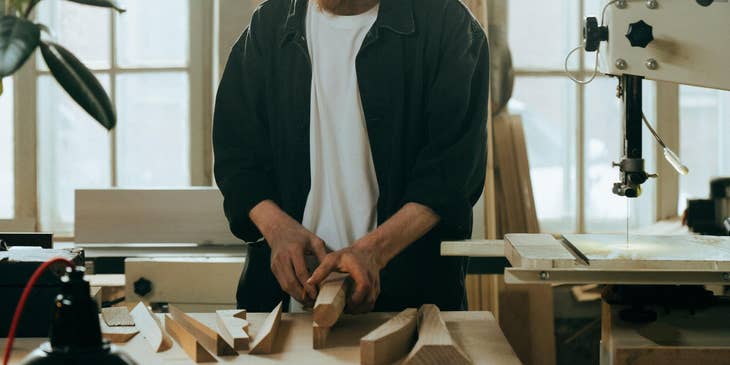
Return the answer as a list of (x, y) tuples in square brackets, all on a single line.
[(435, 345), (234, 330), (187, 341), (391, 341), (331, 300), (149, 325), (118, 334), (237, 313), (319, 336), (117, 316), (209, 338), (264, 341)]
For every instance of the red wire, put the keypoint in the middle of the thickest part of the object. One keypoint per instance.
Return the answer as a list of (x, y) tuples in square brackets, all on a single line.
[(23, 298)]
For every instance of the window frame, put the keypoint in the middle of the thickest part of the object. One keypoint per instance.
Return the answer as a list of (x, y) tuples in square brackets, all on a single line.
[(201, 83)]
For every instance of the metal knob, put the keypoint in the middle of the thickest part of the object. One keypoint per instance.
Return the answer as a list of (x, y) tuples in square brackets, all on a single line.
[(640, 34)]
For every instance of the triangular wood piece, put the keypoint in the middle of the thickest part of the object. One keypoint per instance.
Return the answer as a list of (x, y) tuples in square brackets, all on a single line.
[(209, 338), (233, 329), (149, 325), (391, 341), (237, 313), (330, 300), (117, 316), (319, 336), (435, 345), (266, 335), (117, 334), (187, 341)]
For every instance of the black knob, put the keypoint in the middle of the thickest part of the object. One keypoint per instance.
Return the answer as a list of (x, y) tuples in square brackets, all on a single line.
[(593, 34), (640, 34), (705, 2), (142, 287)]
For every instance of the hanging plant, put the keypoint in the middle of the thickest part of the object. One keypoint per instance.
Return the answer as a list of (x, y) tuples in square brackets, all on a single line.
[(20, 37)]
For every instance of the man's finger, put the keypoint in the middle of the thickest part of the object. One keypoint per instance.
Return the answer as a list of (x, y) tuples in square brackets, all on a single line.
[(300, 269), (288, 282), (319, 249), (362, 287), (326, 266)]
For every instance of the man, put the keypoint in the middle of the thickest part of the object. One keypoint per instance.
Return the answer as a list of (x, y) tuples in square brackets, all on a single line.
[(353, 131)]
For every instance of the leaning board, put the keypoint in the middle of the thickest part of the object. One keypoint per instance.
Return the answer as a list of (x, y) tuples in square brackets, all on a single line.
[(610, 252), (477, 333)]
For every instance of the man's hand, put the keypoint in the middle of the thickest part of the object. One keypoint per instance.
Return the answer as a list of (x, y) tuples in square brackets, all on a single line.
[(289, 242), (363, 264)]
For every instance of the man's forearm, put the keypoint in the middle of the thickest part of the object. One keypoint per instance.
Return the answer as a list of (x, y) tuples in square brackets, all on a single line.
[(267, 215), (406, 226)]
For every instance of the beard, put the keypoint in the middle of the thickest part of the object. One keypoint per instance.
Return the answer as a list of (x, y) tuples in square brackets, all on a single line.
[(332, 5)]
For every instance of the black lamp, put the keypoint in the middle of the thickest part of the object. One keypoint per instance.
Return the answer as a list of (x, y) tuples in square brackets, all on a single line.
[(75, 334)]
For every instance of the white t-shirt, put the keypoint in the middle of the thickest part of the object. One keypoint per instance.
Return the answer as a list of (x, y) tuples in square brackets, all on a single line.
[(342, 202)]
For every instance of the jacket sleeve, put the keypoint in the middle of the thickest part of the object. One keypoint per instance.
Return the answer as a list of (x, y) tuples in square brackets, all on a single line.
[(243, 164), (449, 172)]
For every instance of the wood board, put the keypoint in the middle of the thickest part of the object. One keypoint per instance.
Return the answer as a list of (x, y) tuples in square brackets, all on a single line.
[(331, 300), (187, 341), (391, 341), (117, 334), (435, 345), (473, 248), (233, 328), (209, 338), (150, 327), (117, 316), (610, 252), (476, 332), (264, 341)]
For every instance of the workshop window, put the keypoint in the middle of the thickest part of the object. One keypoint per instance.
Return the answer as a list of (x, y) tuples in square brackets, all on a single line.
[(704, 140), (145, 60), (573, 131), (7, 175)]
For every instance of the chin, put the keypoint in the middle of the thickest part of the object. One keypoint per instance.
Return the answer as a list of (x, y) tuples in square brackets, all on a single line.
[(331, 5)]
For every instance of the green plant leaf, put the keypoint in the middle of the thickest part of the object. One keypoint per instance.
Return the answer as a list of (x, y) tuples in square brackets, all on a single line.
[(79, 83), (18, 40), (102, 3)]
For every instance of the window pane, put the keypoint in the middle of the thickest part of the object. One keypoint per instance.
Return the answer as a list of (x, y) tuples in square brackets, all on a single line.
[(547, 107), (74, 153), (153, 133), (605, 211), (541, 33), (84, 30), (7, 180), (705, 140), (153, 33)]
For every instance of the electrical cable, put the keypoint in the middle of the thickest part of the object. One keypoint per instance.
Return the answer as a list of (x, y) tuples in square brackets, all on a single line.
[(582, 45), (23, 298)]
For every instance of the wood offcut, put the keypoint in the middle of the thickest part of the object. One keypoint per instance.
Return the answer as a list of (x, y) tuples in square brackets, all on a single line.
[(319, 336), (391, 341), (233, 328), (117, 334), (331, 300), (435, 345), (149, 325), (264, 341), (187, 341), (117, 316), (209, 338)]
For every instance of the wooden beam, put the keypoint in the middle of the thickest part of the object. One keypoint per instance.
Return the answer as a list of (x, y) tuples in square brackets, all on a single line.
[(187, 341), (117, 316), (149, 325), (234, 330), (264, 341), (331, 300), (209, 338), (319, 336), (391, 341), (435, 345)]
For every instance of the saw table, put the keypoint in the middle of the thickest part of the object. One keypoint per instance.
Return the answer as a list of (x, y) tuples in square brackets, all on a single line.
[(477, 333)]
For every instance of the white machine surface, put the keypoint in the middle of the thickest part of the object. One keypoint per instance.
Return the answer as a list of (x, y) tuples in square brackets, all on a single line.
[(691, 42)]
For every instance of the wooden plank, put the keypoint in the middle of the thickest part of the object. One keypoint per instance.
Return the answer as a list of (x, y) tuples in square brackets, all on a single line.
[(233, 329), (523, 170), (117, 334), (191, 215), (331, 300), (207, 337), (477, 333), (654, 252), (537, 251), (391, 341), (435, 344), (187, 341), (117, 316), (264, 341), (319, 336), (149, 325), (473, 248)]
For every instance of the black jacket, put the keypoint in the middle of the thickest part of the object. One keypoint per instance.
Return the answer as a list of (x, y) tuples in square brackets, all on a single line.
[(423, 77)]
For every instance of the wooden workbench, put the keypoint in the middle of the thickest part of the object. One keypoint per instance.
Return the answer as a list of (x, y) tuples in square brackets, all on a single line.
[(476, 332)]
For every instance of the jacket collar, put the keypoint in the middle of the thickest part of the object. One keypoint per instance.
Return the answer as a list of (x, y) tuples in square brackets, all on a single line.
[(395, 15)]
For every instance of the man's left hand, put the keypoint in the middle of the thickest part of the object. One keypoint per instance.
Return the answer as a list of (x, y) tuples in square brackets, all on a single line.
[(362, 262)]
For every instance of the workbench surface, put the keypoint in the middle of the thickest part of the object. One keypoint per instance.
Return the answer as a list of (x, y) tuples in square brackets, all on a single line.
[(476, 332)]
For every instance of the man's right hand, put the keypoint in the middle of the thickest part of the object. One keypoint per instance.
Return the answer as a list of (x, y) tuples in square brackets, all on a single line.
[(289, 242)]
